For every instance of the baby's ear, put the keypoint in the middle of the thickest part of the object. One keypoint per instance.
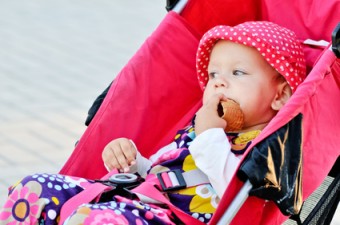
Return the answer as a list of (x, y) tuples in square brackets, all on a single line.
[(284, 92)]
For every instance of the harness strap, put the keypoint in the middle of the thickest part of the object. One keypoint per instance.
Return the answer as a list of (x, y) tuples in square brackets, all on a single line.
[(146, 191), (175, 179), (83, 197), (195, 177), (149, 190)]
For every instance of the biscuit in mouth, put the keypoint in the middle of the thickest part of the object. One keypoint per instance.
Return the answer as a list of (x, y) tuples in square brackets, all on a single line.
[(231, 112)]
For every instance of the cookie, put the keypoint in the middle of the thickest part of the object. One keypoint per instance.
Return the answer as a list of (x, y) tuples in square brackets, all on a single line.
[(232, 113)]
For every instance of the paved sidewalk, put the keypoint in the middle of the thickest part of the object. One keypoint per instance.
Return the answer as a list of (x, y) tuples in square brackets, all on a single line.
[(56, 57)]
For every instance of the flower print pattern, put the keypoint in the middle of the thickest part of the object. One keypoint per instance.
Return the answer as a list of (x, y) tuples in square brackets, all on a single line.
[(170, 155), (24, 205), (37, 199), (206, 191), (204, 199), (79, 215), (184, 137), (107, 216), (203, 203), (60, 182)]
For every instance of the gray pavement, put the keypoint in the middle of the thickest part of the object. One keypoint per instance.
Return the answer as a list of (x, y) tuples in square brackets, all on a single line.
[(56, 57)]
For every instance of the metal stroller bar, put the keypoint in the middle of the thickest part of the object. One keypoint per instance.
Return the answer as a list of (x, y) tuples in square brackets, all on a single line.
[(176, 5), (236, 204)]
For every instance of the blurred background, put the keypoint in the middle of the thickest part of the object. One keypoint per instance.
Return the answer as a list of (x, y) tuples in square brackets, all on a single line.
[(56, 57)]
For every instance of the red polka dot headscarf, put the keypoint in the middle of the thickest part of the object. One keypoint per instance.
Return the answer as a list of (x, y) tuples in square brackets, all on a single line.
[(278, 45)]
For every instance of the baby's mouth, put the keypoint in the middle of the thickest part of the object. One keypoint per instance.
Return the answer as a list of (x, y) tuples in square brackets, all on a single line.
[(232, 113), (220, 107), (220, 110)]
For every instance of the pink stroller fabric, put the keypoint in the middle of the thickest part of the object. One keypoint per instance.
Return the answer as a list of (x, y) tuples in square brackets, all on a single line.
[(157, 93)]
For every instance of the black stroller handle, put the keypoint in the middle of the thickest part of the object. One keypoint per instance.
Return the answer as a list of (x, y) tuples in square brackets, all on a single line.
[(336, 41), (170, 4)]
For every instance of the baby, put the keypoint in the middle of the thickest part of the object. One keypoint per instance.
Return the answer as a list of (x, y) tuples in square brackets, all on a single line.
[(258, 65)]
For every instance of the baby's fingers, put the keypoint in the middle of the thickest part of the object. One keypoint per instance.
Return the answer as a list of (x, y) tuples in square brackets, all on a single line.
[(129, 151), (110, 160), (121, 162), (119, 154), (216, 99), (113, 164)]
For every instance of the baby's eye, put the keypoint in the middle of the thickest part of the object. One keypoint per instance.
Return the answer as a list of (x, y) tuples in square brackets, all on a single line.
[(238, 72), (212, 75)]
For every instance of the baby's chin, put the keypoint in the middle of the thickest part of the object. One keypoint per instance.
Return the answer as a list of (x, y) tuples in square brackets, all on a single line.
[(256, 126)]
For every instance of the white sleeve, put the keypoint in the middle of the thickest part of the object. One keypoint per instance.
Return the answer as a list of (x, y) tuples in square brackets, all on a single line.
[(212, 154), (143, 164)]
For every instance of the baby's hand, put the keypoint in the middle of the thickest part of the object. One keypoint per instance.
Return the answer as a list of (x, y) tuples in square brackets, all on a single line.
[(119, 154), (207, 116)]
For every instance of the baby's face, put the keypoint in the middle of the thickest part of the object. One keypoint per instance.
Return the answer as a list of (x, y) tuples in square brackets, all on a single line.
[(242, 74)]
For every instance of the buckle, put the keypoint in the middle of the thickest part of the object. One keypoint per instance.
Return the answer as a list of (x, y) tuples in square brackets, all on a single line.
[(122, 180), (171, 180), (121, 184)]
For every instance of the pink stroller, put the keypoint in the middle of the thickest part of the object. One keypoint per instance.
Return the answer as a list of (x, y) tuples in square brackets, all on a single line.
[(162, 75)]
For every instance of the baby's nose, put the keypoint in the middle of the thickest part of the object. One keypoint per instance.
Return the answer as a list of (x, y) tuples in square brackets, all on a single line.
[(220, 83)]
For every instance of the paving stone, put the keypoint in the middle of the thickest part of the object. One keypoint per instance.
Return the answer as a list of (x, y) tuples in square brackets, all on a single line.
[(56, 57)]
